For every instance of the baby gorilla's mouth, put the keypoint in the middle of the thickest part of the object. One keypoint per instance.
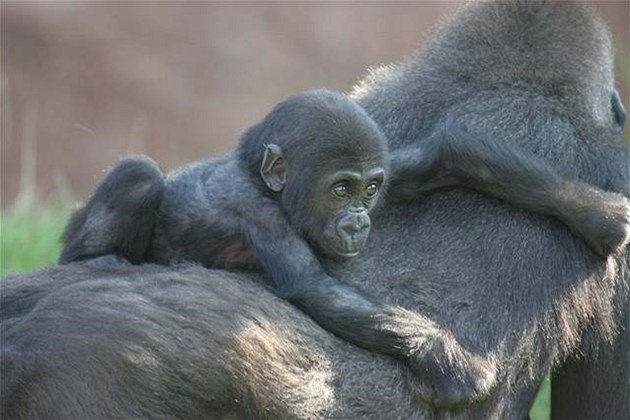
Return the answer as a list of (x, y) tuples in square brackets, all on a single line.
[(348, 249), (348, 254), (335, 246)]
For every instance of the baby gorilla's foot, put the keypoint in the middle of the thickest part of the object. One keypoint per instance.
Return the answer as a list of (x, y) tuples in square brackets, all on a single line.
[(613, 232), (118, 219), (601, 218)]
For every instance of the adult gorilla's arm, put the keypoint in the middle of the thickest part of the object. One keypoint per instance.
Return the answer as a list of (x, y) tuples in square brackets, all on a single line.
[(596, 382), (453, 156)]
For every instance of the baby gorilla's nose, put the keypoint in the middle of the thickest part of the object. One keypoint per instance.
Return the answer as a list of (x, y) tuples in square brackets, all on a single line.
[(355, 223), (352, 230)]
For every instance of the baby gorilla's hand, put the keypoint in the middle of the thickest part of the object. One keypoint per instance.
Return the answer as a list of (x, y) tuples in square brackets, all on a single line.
[(448, 378), (444, 373)]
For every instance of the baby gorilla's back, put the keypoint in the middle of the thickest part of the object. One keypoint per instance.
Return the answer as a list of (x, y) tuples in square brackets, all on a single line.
[(198, 220)]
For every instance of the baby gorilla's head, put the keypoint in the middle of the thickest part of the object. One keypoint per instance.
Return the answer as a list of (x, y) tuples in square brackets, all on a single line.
[(326, 161)]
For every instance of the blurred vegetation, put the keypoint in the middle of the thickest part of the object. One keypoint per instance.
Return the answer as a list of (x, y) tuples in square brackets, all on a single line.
[(542, 406), (29, 240)]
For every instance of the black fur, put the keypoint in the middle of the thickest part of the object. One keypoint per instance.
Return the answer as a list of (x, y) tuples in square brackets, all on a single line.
[(619, 112), (537, 74), (454, 156)]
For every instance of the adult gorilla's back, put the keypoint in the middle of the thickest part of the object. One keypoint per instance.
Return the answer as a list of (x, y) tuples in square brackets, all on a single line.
[(511, 284), (538, 74)]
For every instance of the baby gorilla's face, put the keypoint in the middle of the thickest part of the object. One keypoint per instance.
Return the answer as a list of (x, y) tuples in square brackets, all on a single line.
[(328, 197), (349, 198), (334, 212)]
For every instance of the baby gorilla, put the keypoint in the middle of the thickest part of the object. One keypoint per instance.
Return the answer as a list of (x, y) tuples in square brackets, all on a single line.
[(300, 186)]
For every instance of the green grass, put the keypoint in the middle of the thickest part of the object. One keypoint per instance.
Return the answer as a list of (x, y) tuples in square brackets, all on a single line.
[(30, 241), (542, 405)]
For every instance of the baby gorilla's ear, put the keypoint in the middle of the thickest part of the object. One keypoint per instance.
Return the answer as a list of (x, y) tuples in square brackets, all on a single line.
[(273, 170), (619, 112)]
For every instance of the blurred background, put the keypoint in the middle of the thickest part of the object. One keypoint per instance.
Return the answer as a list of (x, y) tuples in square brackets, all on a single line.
[(84, 83)]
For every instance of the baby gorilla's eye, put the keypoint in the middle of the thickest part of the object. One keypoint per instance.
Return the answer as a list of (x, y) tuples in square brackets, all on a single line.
[(371, 189), (341, 190)]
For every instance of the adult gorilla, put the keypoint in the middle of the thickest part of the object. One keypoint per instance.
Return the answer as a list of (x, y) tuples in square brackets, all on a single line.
[(540, 75), (515, 286)]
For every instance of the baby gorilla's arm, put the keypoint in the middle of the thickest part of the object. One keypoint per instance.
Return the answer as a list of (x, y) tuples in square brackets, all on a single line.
[(453, 156), (446, 373)]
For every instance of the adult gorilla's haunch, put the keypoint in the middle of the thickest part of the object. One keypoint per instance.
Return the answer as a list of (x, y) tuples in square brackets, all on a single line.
[(480, 266)]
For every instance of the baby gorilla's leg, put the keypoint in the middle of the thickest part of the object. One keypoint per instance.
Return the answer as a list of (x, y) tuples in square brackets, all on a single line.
[(119, 216), (454, 156)]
